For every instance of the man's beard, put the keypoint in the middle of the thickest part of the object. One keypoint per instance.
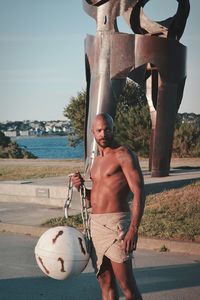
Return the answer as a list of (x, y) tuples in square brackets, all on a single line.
[(104, 142)]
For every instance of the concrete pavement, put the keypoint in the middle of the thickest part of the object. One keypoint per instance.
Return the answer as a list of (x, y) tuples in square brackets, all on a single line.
[(160, 276)]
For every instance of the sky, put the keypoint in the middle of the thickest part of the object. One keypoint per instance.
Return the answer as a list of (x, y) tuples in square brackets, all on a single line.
[(42, 55)]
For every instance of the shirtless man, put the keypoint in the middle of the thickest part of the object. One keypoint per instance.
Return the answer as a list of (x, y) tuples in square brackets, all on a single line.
[(115, 172)]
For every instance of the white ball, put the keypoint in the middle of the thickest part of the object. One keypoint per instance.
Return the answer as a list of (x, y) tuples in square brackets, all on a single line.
[(61, 252)]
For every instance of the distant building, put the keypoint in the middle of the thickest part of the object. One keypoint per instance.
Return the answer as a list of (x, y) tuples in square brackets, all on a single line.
[(24, 133), (11, 133), (48, 128), (57, 128)]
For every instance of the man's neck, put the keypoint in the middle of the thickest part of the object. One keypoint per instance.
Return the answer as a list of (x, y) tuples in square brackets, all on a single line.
[(107, 150), (104, 151)]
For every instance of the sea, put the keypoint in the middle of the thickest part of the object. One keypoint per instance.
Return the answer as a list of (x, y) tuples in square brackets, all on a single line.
[(51, 147)]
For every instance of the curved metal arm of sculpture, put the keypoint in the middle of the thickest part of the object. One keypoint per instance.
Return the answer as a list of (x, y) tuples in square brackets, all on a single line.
[(177, 26), (172, 27), (133, 13), (96, 2)]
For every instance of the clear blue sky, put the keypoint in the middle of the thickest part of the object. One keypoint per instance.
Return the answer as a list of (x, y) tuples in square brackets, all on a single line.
[(42, 55)]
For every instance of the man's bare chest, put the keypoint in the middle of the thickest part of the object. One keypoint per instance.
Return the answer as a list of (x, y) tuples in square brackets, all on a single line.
[(105, 167)]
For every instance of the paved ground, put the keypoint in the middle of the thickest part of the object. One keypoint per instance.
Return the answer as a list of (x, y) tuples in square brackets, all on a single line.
[(31, 214), (160, 276)]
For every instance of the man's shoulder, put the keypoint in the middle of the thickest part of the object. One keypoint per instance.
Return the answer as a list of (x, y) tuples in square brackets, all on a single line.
[(124, 149), (122, 152), (127, 158)]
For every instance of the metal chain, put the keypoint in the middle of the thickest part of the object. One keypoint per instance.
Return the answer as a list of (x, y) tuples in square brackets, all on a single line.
[(84, 210), (69, 197)]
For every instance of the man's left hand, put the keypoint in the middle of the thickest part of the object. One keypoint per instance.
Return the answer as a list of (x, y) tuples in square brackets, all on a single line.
[(130, 241)]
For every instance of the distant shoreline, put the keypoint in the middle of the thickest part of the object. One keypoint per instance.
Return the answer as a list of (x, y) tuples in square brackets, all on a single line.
[(36, 136)]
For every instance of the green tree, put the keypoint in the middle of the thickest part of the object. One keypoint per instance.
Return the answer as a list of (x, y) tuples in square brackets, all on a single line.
[(75, 113), (9, 149), (132, 121), (133, 124), (4, 140), (186, 140)]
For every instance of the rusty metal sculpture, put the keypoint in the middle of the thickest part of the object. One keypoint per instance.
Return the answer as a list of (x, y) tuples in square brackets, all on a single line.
[(152, 54)]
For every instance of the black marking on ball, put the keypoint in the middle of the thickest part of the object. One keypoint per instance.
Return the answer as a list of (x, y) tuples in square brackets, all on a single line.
[(62, 264), (41, 261), (81, 244), (57, 235)]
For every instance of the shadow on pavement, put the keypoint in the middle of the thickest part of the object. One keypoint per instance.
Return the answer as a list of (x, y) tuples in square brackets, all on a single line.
[(158, 187), (85, 286), (162, 278)]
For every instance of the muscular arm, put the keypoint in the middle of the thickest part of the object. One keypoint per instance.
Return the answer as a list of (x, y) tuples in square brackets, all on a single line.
[(131, 169), (77, 181)]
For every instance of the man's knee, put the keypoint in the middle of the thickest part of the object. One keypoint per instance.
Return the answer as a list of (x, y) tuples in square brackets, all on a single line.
[(130, 290), (106, 275), (108, 287), (106, 280), (127, 290)]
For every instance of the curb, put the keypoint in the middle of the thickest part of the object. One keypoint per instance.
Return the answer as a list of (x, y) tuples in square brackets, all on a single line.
[(170, 246), (22, 229), (191, 248)]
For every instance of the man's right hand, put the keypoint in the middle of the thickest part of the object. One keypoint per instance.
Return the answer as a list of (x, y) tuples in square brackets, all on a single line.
[(77, 180)]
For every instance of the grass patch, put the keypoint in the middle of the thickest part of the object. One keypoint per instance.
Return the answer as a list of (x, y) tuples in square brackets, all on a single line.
[(173, 214), (26, 169), (73, 221)]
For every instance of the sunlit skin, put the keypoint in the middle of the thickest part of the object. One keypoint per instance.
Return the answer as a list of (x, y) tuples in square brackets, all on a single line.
[(115, 172)]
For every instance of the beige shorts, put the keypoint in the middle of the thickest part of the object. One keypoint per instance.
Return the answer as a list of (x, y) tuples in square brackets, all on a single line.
[(107, 233)]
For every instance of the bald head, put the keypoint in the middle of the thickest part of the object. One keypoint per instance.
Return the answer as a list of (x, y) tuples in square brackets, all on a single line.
[(102, 129), (105, 118)]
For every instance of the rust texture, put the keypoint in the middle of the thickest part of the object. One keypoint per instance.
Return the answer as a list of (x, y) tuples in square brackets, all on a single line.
[(152, 55), (60, 232), (62, 264), (41, 261), (81, 245)]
